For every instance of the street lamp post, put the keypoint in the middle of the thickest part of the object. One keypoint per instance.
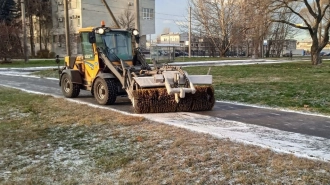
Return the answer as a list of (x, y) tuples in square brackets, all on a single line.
[(67, 28), (24, 31)]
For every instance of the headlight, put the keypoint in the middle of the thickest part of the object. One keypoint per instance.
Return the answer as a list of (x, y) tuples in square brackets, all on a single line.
[(101, 31), (135, 32)]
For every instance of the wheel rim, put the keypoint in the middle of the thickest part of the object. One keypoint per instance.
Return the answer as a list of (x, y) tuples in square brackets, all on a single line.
[(100, 89), (67, 85)]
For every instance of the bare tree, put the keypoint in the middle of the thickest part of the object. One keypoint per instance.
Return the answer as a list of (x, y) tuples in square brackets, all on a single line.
[(313, 14), (38, 13), (218, 20), (279, 32), (126, 19), (45, 26), (255, 19), (10, 42)]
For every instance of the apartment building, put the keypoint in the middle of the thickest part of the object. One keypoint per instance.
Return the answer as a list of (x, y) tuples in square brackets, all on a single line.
[(306, 45), (170, 38), (85, 13), (199, 45)]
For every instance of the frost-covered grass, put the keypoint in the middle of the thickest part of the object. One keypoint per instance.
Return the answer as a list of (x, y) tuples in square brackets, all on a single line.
[(199, 59), (298, 86), (44, 140), (31, 63)]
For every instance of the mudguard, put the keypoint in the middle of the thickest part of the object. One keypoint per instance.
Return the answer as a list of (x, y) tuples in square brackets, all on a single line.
[(74, 74), (105, 75)]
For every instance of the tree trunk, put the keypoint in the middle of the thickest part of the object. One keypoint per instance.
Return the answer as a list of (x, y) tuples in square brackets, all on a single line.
[(222, 53), (213, 52), (315, 50), (40, 47), (31, 36), (268, 49), (316, 58), (248, 49)]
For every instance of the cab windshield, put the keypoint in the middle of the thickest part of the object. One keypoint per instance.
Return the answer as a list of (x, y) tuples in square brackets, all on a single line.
[(116, 45)]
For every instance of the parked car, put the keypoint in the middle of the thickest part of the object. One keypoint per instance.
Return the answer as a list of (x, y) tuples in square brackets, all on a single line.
[(230, 54), (178, 53), (286, 55), (145, 51), (158, 53), (165, 53), (182, 53), (322, 53), (154, 53), (242, 54)]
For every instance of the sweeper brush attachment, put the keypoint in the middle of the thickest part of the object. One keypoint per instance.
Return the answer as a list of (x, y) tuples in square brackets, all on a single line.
[(157, 100)]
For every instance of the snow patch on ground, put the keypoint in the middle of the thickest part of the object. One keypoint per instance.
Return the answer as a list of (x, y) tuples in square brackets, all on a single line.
[(277, 140)]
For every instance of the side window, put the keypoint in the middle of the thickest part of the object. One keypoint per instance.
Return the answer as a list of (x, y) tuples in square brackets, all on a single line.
[(87, 47)]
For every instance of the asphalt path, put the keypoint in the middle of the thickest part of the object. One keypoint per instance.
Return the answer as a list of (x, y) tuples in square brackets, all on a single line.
[(306, 124)]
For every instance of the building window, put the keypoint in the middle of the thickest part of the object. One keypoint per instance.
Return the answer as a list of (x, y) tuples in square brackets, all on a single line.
[(78, 22), (61, 38), (148, 13)]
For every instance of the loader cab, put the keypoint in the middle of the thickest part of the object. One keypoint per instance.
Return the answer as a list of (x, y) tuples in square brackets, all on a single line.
[(116, 44)]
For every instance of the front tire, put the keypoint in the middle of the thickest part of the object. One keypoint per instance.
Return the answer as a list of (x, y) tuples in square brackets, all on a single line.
[(105, 91), (69, 89)]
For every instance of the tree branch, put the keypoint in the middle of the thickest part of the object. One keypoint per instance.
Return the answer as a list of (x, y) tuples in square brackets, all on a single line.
[(310, 9)]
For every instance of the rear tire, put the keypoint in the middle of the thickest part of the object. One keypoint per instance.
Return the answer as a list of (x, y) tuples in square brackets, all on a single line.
[(105, 91), (69, 89)]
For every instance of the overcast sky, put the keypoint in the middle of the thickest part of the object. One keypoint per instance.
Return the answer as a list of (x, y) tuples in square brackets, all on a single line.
[(168, 12)]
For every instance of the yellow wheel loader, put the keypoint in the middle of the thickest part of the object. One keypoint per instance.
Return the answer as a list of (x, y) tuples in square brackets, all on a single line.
[(109, 67)]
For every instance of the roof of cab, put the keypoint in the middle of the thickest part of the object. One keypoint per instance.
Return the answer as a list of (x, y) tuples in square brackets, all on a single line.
[(87, 29)]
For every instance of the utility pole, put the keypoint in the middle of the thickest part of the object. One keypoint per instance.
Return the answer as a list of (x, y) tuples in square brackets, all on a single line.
[(24, 31), (137, 17), (189, 48), (40, 29), (111, 14), (67, 28), (262, 48)]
